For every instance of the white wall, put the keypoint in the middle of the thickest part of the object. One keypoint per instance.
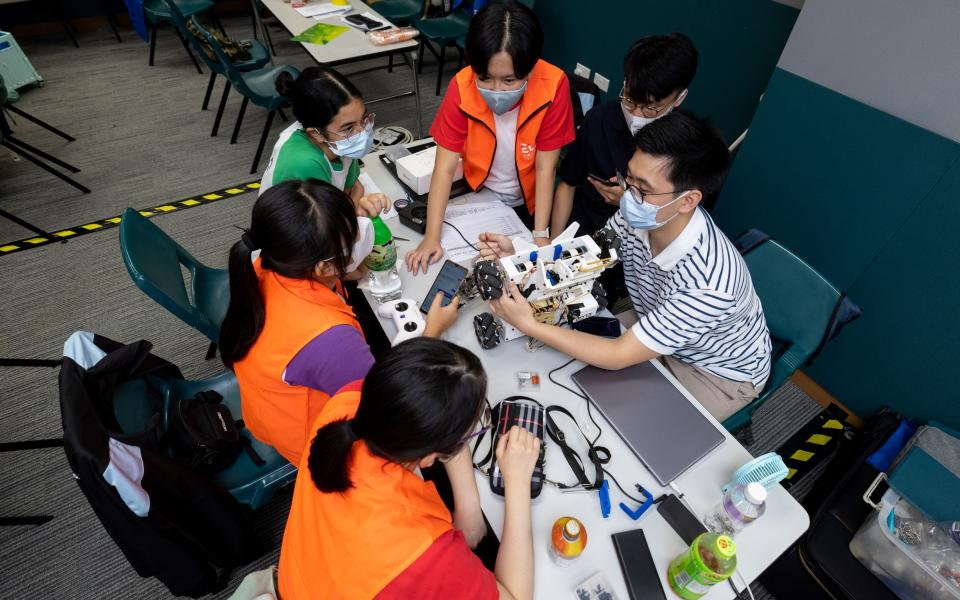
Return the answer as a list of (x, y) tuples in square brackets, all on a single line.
[(899, 56)]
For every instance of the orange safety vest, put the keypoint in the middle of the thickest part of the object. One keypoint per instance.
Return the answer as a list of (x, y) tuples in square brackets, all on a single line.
[(481, 143), (297, 310), (353, 544)]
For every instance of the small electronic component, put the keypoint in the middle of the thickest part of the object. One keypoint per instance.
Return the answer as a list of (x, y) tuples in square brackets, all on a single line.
[(528, 381)]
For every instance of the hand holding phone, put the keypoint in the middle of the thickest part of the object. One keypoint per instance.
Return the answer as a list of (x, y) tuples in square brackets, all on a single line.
[(602, 181), (447, 281), (610, 191)]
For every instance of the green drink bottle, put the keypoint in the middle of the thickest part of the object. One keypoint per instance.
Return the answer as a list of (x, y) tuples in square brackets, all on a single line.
[(711, 559), (384, 280)]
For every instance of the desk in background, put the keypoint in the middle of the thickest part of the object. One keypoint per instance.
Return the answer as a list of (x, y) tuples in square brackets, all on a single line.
[(758, 546), (351, 46)]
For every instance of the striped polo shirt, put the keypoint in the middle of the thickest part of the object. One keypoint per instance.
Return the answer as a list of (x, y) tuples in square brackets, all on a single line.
[(695, 300)]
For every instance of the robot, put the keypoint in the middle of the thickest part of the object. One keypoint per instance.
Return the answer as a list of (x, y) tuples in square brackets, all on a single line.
[(559, 281)]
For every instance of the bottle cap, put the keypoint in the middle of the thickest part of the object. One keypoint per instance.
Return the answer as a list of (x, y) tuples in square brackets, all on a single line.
[(755, 493), (725, 546), (571, 529)]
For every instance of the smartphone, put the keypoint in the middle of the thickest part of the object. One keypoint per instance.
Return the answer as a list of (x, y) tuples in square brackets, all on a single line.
[(677, 516), (602, 181), (447, 281), (605, 326), (362, 21), (639, 571)]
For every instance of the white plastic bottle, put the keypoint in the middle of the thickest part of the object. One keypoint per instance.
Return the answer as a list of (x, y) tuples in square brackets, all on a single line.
[(742, 505)]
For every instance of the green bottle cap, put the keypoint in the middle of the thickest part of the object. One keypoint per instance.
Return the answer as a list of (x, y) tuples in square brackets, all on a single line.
[(381, 233)]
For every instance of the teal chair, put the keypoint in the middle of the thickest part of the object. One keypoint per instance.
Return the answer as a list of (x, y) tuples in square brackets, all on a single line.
[(444, 32), (155, 263), (134, 406), (256, 86), (804, 311), (401, 13), (259, 57), (158, 11)]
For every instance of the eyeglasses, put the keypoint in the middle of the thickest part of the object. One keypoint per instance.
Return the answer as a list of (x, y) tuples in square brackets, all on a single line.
[(367, 120), (485, 423), (636, 191), (482, 426), (648, 110)]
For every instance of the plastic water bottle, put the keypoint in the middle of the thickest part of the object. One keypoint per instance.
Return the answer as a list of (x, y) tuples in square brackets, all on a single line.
[(381, 263), (742, 505)]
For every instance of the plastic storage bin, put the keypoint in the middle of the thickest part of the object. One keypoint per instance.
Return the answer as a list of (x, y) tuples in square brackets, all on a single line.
[(14, 66), (898, 564)]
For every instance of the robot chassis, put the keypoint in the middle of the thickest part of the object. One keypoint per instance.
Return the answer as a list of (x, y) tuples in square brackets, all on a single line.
[(559, 281)]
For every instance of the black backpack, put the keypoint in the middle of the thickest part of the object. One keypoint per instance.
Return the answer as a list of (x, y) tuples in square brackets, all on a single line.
[(204, 435)]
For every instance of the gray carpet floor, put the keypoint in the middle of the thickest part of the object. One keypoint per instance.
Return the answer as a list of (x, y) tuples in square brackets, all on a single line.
[(141, 140)]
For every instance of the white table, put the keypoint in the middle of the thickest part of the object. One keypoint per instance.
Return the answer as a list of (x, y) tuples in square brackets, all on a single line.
[(757, 546), (350, 46)]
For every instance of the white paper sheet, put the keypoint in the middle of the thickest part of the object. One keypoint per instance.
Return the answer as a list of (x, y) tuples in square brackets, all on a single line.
[(322, 10), (474, 217)]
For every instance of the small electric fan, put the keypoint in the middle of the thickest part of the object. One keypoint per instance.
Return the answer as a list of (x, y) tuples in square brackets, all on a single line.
[(767, 470)]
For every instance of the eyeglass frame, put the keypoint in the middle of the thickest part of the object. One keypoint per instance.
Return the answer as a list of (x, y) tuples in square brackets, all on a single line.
[(366, 120), (639, 195), (486, 424), (645, 109)]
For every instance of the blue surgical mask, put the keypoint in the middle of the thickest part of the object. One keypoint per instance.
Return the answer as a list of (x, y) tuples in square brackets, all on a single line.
[(501, 102), (355, 146), (643, 215)]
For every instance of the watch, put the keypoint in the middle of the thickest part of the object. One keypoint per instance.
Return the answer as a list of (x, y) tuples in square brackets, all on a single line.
[(542, 233)]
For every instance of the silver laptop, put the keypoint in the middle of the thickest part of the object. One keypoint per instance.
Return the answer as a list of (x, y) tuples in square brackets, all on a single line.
[(666, 431)]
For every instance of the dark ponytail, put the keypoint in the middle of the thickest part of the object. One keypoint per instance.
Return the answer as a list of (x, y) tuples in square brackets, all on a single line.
[(317, 95), (422, 396), (296, 225)]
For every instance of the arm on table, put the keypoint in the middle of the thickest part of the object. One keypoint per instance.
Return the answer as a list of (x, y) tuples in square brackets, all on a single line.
[(467, 515), (595, 350), (429, 249), (517, 454), (562, 207), (546, 172)]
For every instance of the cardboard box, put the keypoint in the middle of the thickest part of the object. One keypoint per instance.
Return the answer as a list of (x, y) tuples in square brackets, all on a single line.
[(416, 170)]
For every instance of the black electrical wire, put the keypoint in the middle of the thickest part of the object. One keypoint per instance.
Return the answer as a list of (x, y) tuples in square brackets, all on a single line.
[(592, 420), (455, 228)]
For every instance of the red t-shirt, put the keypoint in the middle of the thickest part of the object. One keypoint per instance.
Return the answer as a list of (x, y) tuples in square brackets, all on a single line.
[(449, 127), (448, 569)]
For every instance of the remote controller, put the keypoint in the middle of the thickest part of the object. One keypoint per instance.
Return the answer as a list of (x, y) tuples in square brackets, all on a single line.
[(406, 317)]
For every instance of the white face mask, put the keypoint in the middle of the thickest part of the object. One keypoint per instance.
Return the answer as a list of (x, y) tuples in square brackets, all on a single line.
[(364, 244), (637, 123)]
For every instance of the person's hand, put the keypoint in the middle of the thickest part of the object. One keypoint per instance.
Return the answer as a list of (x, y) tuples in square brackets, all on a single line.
[(494, 245), (513, 308), (517, 454), (426, 253), (541, 241), (372, 205), (610, 193), (440, 318)]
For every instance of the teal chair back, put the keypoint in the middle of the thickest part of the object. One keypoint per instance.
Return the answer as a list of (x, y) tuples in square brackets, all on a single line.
[(235, 77), (803, 311), (156, 262), (135, 404)]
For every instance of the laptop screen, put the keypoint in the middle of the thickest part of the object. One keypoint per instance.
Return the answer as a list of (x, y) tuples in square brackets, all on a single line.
[(666, 431)]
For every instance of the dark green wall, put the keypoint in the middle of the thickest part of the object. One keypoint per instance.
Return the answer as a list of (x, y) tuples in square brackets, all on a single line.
[(873, 203), (739, 43)]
